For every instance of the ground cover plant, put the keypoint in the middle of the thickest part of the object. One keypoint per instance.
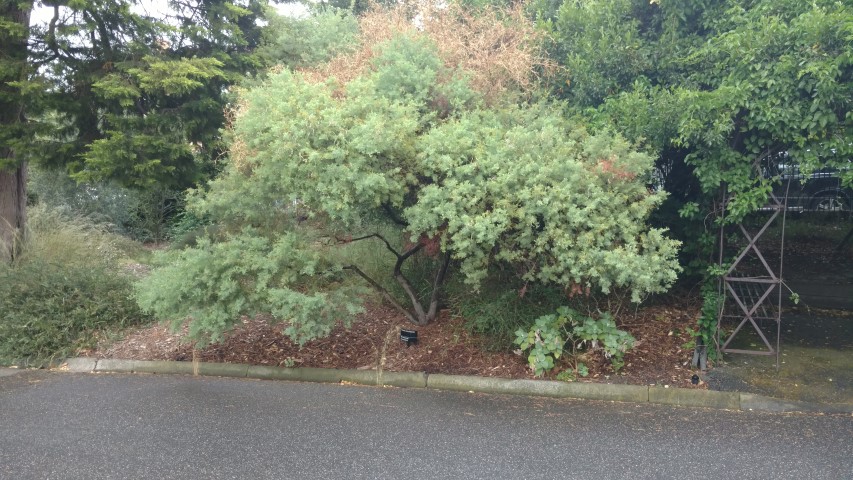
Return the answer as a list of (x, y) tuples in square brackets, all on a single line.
[(567, 331)]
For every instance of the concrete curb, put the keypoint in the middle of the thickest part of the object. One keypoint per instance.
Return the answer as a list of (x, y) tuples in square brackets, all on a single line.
[(695, 398), (544, 388), (541, 388)]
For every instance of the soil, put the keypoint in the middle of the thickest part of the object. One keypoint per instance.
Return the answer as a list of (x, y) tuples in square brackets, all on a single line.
[(445, 346)]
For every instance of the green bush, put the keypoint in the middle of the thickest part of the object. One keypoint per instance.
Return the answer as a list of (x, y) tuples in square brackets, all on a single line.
[(187, 228), (472, 185), (103, 202), (552, 334), (144, 215), (215, 283), (63, 290), (498, 309)]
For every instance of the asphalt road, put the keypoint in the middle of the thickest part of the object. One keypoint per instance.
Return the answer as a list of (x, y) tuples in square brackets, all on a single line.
[(89, 426)]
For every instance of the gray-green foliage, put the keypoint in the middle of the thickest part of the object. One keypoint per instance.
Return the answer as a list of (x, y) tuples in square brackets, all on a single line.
[(299, 42), (64, 288), (525, 187), (216, 283), (407, 144)]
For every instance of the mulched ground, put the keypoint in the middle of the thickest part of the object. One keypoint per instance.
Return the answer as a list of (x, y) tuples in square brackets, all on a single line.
[(659, 356), (445, 346)]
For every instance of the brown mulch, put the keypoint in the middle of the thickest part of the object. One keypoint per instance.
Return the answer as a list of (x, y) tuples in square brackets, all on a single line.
[(445, 346)]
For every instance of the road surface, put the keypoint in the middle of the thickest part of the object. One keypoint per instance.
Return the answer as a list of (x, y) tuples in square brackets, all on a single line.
[(108, 426)]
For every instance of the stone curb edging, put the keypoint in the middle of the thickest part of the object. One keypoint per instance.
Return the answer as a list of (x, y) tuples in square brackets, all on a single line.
[(545, 388)]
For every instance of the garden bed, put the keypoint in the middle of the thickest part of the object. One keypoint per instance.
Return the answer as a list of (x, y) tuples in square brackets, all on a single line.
[(659, 357)]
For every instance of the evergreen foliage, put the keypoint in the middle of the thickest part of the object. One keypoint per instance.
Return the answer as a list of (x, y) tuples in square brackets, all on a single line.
[(139, 99), (306, 42), (106, 91), (410, 143), (526, 188), (116, 93), (216, 283), (15, 89)]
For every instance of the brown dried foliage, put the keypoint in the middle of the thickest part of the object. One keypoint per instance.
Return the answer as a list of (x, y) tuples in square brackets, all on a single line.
[(432, 245), (238, 151), (499, 49), (609, 167)]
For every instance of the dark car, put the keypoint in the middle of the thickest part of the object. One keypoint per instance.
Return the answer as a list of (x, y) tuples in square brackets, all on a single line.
[(820, 191)]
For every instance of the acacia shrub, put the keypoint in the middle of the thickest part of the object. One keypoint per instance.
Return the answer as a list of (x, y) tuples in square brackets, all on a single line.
[(520, 186), (526, 187), (467, 181)]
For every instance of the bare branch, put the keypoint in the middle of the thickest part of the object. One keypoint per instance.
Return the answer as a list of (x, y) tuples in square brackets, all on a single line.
[(436, 288), (408, 253), (51, 31), (420, 315), (385, 293), (372, 235), (393, 215), (407, 285)]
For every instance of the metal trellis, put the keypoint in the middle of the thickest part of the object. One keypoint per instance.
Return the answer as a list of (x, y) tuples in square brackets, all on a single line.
[(752, 297)]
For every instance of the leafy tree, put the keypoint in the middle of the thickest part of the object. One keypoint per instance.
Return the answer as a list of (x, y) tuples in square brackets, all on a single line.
[(718, 91), (774, 78), (600, 45), (416, 143), (723, 85), (118, 94), (140, 99), (713, 89)]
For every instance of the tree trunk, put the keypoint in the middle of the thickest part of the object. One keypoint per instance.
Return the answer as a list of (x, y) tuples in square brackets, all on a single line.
[(13, 170), (13, 213)]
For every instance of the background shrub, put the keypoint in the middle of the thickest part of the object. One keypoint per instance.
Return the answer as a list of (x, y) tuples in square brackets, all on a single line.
[(144, 215), (65, 288)]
